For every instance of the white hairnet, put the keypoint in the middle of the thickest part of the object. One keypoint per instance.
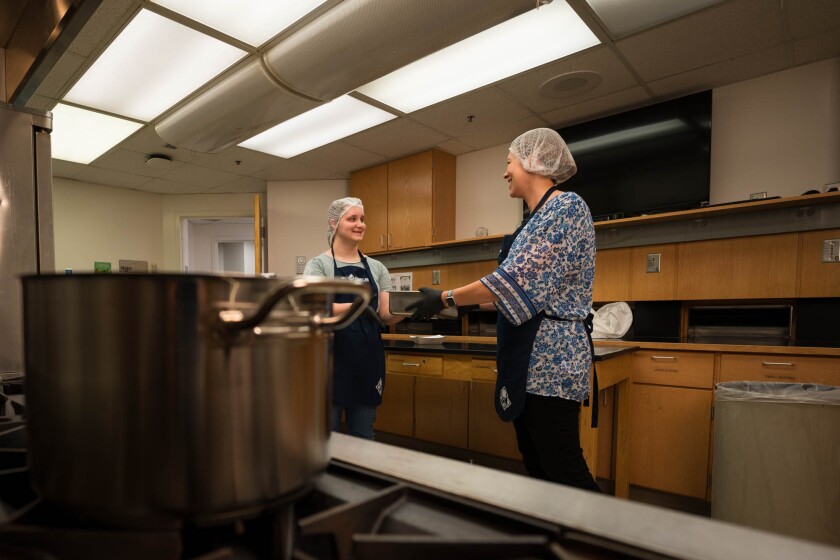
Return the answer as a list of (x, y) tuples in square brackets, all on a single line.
[(543, 151), (337, 210)]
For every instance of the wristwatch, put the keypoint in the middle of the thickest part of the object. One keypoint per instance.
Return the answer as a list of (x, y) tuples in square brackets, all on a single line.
[(450, 301)]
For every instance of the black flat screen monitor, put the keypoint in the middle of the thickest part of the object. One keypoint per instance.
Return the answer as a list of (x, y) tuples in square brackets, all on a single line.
[(644, 161)]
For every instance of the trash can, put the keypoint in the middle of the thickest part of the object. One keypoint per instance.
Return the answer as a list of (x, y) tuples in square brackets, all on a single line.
[(777, 458)]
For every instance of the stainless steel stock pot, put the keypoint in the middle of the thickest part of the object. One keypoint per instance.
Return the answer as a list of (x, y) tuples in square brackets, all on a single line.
[(154, 396)]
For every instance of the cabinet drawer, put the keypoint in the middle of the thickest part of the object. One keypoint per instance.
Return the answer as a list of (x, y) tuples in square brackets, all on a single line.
[(780, 368), (419, 365), (678, 369), (483, 369)]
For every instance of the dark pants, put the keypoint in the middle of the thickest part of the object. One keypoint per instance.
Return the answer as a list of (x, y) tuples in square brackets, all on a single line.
[(548, 438)]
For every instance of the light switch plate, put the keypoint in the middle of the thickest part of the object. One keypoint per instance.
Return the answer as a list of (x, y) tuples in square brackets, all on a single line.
[(300, 264), (435, 277), (831, 251), (652, 262)]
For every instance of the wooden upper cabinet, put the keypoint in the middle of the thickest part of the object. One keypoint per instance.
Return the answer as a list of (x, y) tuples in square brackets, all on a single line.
[(612, 275), (371, 186), (816, 278), (738, 268), (409, 202), (653, 286)]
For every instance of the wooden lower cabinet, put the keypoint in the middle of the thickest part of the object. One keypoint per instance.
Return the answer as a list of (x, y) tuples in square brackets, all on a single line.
[(441, 410), (671, 430), (396, 413), (487, 433), (779, 369)]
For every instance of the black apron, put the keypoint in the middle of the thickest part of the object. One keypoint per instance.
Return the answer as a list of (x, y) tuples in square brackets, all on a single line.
[(515, 344), (358, 353)]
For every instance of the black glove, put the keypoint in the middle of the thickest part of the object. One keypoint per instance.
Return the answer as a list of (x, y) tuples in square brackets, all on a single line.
[(428, 307)]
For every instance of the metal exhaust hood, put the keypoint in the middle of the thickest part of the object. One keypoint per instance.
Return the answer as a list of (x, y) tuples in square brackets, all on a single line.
[(355, 43)]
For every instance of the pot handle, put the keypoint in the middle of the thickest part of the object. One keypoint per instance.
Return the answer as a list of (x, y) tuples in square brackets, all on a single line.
[(231, 321)]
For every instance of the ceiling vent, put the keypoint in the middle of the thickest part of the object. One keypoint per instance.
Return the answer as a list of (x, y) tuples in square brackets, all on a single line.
[(355, 43)]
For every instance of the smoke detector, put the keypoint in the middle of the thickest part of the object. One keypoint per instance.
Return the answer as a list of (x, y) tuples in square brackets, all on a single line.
[(159, 161)]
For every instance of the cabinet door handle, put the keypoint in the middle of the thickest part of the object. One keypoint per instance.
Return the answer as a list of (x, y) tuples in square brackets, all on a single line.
[(670, 358), (410, 364), (389, 239), (382, 240), (778, 364)]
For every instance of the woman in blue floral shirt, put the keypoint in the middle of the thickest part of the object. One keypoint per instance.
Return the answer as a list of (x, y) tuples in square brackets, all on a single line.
[(543, 292)]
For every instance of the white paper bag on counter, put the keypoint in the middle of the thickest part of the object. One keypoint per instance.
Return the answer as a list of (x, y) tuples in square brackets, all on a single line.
[(612, 320)]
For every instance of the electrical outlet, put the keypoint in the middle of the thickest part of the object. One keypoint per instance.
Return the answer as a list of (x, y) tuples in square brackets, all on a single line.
[(435, 277), (757, 195), (831, 251), (300, 264), (652, 262)]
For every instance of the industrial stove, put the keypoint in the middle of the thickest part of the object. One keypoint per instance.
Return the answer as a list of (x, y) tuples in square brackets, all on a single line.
[(377, 501)]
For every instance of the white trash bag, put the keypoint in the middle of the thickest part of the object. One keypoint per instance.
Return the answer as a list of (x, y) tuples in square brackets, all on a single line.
[(612, 320)]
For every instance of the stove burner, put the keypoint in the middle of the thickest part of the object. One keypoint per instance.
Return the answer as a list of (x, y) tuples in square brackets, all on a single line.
[(349, 514)]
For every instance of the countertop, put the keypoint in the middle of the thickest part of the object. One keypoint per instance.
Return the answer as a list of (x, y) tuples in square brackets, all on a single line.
[(668, 532), (486, 350)]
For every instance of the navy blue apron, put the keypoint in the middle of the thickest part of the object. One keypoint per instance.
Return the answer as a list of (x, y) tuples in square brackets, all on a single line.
[(358, 353), (515, 344)]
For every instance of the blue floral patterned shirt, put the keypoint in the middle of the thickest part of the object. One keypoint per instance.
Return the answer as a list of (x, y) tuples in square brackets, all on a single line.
[(551, 267)]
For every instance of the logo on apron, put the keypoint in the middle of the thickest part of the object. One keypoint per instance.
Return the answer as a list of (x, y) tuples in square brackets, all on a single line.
[(504, 400), (379, 387)]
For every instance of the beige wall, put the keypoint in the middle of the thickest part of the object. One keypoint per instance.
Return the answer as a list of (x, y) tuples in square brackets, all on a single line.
[(297, 220), (99, 223), (481, 198), (778, 133)]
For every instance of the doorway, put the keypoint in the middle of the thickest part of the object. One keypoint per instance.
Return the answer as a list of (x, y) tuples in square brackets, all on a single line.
[(218, 245)]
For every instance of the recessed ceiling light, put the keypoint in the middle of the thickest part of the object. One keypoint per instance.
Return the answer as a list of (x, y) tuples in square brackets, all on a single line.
[(570, 84), (150, 66), (623, 17), (535, 38), (82, 136), (255, 21), (329, 122)]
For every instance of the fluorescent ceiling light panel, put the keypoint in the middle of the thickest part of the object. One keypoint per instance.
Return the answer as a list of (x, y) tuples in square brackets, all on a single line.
[(82, 136), (150, 66), (251, 21), (535, 38), (330, 122), (623, 17)]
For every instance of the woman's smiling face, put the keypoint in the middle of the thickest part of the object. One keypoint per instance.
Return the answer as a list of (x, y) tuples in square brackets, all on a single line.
[(515, 175), (352, 225)]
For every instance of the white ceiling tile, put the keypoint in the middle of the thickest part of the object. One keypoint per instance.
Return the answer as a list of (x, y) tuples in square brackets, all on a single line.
[(731, 30), (130, 162), (455, 147), (339, 157), (111, 178), (623, 17), (162, 186), (600, 107), (396, 138), (66, 169), (241, 161), (502, 134), (287, 170), (242, 185), (199, 176), (817, 47), (525, 88), (103, 26), (62, 74), (716, 75), (812, 17), (489, 108)]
